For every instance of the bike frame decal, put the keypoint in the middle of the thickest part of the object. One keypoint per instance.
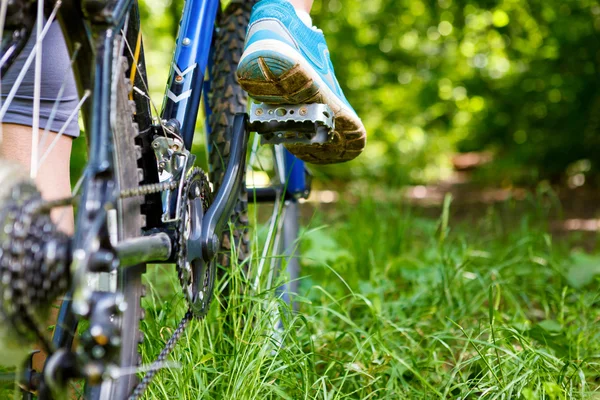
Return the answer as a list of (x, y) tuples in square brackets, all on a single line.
[(184, 88)]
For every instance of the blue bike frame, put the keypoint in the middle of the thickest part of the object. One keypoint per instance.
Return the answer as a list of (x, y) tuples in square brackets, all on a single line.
[(186, 82)]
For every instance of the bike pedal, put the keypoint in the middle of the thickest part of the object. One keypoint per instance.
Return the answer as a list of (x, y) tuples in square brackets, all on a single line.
[(292, 124)]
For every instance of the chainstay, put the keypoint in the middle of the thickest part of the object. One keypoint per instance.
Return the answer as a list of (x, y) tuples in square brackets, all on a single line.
[(159, 363)]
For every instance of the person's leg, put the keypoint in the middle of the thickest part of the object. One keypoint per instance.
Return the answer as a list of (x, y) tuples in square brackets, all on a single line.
[(286, 61), (53, 176), (53, 179)]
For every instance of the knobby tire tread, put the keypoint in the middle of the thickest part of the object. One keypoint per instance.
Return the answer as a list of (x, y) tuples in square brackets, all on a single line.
[(131, 222), (227, 99)]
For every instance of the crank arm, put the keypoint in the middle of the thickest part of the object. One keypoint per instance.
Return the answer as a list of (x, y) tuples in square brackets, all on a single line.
[(217, 217)]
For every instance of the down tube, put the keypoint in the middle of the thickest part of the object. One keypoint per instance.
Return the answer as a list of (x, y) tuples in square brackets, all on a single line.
[(184, 88)]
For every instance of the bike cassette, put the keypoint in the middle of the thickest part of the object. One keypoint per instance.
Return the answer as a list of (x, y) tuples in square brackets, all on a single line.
[(196, 276), (292, 124), (34, 261)]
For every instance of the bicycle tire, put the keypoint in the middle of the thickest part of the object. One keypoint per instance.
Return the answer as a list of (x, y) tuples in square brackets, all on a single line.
[(130, 226), (144, 172), (227, 99), (130, 222)]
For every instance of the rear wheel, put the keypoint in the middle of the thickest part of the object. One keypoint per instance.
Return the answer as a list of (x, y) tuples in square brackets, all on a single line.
[(126, 217)]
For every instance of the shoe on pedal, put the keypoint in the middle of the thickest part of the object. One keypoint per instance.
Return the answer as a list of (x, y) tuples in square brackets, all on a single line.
[(286, 62)]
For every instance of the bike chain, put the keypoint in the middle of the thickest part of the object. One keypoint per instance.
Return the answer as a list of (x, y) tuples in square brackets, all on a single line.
[(185, 273), (30, 228), (159, 363)]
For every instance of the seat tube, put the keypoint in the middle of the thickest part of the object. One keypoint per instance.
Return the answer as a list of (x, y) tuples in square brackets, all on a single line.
[(190, 60)]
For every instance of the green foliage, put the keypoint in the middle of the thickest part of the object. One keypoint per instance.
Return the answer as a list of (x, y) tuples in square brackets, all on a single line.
[(519, 77), (432, 77)]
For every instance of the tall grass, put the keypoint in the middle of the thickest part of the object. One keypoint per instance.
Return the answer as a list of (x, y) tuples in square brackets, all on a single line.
[(395, 305)]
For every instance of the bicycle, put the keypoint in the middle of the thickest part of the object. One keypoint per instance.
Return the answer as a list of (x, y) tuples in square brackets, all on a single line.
[(142, 199)]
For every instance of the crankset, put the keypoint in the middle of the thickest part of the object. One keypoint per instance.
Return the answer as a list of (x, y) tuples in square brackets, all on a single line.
[(184, 209), (197, 277)]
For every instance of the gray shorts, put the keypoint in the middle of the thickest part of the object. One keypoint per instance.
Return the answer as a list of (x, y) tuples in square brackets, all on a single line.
[(55, 70)]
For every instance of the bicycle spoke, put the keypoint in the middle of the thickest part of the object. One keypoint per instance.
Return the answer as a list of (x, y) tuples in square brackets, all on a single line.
[(123, 40), (254, 151), (279, 169), (117, 373), (277, 247), (135, 71), (63, 129), (37, 89), (6, 56), (135, 58), (59, 97), (3, 7), (279, 155)]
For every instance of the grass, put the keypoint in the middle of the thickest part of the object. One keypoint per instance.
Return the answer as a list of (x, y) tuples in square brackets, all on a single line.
[(396, 305)]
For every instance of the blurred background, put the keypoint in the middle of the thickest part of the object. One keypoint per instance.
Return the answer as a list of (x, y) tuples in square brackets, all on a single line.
[(506, 89)]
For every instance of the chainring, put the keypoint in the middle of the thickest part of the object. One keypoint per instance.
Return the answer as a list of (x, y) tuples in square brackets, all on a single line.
[(197, 277)]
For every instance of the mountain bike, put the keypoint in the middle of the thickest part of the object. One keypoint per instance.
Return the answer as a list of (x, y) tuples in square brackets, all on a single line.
[(141, 199)]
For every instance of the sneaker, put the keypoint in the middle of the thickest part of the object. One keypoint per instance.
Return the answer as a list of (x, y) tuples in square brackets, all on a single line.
[(286, 62)]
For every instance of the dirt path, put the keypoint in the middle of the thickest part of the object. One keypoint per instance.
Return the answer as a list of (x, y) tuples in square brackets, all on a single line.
[(568, 210)]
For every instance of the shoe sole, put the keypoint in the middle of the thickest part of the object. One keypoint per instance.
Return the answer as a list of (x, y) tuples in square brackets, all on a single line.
[(273, 72)]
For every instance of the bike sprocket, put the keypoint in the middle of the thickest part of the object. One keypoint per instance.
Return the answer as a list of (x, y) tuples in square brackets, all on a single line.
[(33, 270), (196, 276)]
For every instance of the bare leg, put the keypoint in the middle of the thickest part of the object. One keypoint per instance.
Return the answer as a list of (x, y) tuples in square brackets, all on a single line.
[(53, 178), (303, 5), (53, 181)]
